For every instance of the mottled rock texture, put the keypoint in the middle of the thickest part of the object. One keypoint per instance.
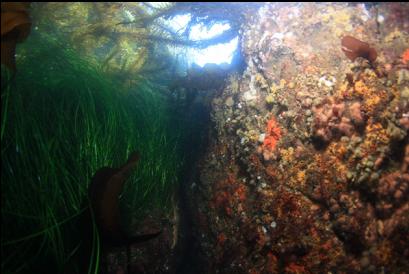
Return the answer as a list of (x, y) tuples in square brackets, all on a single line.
[(331, 194)]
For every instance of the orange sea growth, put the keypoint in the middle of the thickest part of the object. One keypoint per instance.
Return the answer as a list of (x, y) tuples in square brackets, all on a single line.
[(405, 56), (273, 134)]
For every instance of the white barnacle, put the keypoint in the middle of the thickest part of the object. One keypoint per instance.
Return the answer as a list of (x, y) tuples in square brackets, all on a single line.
[(327, 81)]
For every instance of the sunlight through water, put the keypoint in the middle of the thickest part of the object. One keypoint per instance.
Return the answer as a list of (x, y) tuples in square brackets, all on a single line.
[(218, 54)]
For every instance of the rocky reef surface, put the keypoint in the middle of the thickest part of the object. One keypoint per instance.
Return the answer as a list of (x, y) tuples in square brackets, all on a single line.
[(307, 167)]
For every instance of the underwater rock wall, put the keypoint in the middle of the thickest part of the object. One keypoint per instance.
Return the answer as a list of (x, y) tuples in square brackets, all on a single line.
[(307, 170)]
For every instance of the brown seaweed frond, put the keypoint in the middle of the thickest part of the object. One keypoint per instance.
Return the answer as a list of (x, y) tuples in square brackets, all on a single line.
[(15, 27), (354, 48)]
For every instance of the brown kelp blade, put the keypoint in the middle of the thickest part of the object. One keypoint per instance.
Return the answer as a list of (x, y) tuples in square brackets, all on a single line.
[(104, 191), (143, 238), (15, 27), (354, 48)]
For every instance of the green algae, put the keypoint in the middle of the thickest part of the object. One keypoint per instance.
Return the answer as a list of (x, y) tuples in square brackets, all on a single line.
[(63, 119)]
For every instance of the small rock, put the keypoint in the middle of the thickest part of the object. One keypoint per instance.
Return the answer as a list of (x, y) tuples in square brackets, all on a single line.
[(405, 92), (261, 137), (229, 101), (307, 103)]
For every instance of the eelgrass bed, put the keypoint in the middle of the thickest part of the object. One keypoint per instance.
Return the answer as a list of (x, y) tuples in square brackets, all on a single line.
[(62, 120)]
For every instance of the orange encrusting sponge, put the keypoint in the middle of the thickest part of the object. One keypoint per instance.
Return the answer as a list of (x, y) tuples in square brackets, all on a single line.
[(273, 134)]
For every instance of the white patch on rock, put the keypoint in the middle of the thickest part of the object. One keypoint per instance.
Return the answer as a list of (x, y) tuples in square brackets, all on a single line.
[(252, 93), (261, 137), (327, 81)]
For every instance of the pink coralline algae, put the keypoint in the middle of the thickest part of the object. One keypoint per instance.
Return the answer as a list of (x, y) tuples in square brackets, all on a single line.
[(398, 218), (355, 113), (333, 119), (352, 215), (392, 191)]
